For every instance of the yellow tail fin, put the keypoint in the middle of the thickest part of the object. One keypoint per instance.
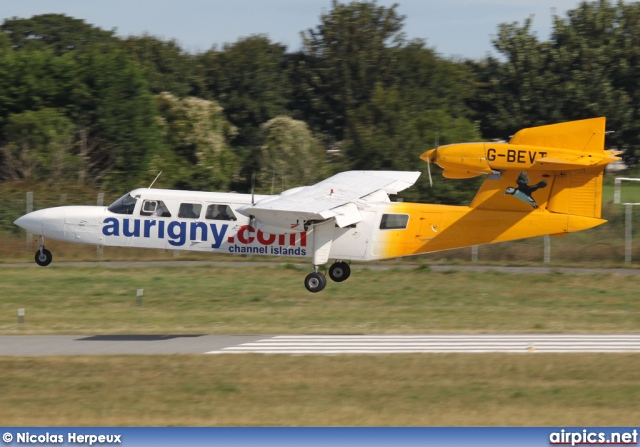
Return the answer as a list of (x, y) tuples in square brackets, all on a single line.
[(575, 192)]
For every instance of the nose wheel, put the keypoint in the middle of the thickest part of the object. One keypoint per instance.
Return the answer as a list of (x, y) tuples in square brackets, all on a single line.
[(43, 256)]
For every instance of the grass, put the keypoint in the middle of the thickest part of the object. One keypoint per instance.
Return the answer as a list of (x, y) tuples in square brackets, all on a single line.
[(243, 299), (346, 390)]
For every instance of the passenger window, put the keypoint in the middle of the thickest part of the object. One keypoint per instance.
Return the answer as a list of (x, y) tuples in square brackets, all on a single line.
[(394, 221), (190, 210), (220, 212), (154, 208)]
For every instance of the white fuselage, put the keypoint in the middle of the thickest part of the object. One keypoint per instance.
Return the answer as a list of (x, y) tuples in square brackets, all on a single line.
[(156, 218)]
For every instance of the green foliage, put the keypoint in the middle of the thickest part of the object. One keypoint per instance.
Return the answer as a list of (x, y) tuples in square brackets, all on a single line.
[(196, 135), (589, 68), (249, 80), (33, 79), (344, 58), (165, 65), (57, 32), (77, 101), (97, 89), (112, 103), (391, 134), (290, 155), (40, 146)]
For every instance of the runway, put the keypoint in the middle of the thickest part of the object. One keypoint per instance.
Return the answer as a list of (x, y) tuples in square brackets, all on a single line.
[(45, 345), (389, 344)]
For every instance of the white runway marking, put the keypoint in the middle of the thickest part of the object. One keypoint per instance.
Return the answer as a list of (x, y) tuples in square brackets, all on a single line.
[(386, 344)]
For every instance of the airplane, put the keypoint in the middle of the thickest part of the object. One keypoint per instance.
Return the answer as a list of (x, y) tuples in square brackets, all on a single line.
[(546, 180)]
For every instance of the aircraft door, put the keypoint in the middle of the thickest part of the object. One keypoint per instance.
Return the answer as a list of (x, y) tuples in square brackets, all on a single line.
[(430, 227), (351, 242)]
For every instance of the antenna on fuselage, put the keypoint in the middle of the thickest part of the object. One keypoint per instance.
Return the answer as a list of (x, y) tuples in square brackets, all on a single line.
[(154, 180)]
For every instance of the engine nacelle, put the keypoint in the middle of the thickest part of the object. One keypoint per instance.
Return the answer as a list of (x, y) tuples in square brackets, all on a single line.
[(472, 159)]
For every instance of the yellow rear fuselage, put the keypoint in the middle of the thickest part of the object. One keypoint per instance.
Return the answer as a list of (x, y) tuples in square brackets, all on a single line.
[(440, 227)]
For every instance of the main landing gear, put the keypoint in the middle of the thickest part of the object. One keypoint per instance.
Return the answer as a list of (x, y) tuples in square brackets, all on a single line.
[(339, 271), (316, 281), (43, 256)]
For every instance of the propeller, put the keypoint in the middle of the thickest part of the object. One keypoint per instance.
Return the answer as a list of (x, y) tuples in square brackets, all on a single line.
[(429, 172), (431, 156)]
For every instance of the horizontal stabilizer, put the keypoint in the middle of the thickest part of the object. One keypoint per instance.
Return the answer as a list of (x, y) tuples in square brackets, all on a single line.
[(582, 135), (451, 174)]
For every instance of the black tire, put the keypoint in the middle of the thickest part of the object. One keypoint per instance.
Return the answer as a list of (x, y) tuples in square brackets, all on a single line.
[(339, 271), (315, 282), (43, 259)]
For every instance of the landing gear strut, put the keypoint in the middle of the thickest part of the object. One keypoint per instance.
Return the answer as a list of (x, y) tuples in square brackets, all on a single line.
[(339, 271), (43, 256)]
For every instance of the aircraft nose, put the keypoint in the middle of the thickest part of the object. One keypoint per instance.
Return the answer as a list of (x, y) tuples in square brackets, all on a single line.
[(33, 222)]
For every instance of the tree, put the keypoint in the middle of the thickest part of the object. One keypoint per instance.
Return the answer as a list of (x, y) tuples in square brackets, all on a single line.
[(430, 82), (58, 32), (588, 68), (290, 156), (599, 59), (521, 91), (31, 80), (114, 113), (249, 80), (390, 134), (197, 154), (343, 59), (39, 146), (165, 65)]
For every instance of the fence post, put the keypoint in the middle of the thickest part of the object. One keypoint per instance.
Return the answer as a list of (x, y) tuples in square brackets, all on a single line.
[(547, 249), (474, 253)]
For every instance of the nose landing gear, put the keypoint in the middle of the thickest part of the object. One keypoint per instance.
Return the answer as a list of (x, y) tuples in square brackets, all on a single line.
[(43, 256)]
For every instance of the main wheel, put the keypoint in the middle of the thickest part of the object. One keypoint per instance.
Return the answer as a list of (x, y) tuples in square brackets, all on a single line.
[(315, 282), (43, 259), (339, 271)]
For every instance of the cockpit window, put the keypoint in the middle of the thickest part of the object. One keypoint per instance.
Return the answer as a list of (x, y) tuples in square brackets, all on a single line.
[(190, 210), (394, 221), (124, 205), (154, 208), (220, 212)]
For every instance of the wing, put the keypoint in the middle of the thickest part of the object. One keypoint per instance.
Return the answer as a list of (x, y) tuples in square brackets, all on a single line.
[(336, 197)]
